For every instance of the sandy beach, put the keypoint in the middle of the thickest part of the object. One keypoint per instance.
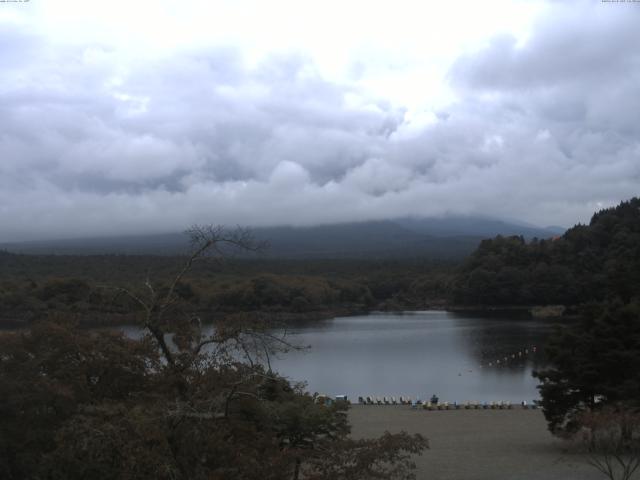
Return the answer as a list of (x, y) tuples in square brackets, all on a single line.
[(478, 444)]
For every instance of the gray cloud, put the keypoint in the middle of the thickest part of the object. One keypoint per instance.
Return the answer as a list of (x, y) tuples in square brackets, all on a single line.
[(94, 144)]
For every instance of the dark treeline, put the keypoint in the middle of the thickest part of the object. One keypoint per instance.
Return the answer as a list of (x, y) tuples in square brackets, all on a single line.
[(599, 261), (179, 403), (33, 286), (592, 382), (594, 364), (78, 403)]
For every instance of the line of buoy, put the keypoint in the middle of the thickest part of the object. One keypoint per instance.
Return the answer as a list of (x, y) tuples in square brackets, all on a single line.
[(513, 356)]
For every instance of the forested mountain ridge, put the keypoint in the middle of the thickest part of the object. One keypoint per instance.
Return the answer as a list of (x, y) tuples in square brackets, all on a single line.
[(452, 237), (597, 261)]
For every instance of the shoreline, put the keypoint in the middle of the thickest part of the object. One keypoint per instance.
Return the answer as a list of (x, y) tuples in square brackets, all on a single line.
[(118, 319)]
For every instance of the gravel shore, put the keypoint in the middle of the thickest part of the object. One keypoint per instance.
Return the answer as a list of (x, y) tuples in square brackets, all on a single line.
[(478, 444)]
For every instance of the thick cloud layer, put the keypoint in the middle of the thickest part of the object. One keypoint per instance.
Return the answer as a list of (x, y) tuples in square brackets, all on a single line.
[(95, 143)]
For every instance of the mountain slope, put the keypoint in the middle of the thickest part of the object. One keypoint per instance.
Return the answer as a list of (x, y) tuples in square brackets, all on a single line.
[(453, 237)]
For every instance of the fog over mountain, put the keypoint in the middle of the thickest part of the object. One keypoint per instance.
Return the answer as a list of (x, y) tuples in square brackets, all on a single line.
[(445, 238), (166, 116)]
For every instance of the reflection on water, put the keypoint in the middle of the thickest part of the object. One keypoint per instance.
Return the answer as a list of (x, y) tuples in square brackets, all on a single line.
[(415, 354), (419, 354)]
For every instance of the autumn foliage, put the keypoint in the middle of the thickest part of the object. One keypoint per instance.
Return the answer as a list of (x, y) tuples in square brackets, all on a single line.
[(183, 401)]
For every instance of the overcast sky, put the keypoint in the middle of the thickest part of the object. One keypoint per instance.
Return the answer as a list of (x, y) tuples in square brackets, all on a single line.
[(149, 116)]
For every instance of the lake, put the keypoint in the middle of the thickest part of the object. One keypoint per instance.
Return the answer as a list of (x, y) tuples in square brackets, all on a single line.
[(459, 357), (452, 355)]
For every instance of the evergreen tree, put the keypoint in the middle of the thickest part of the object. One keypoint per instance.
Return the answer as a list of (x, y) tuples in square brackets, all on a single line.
[(594, 364)]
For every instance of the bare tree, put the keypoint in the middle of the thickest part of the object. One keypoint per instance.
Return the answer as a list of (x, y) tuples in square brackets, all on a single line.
[(184, 402), (612, 438), (179, 334), (237, 344)]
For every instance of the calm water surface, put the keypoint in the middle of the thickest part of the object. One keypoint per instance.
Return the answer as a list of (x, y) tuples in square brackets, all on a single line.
[(419, 354), (451, 355)]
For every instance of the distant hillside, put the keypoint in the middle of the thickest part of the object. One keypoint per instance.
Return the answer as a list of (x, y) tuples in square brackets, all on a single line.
[(475, 226), (452, 237), (589, 262)]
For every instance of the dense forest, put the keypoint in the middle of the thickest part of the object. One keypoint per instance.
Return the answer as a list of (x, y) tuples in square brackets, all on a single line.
[(181, 410), (592, 382), (34, 286), (598, 261), (178, 403)]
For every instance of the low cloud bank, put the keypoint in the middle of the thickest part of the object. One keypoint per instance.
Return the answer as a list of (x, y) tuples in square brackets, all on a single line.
[(92, 144)]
